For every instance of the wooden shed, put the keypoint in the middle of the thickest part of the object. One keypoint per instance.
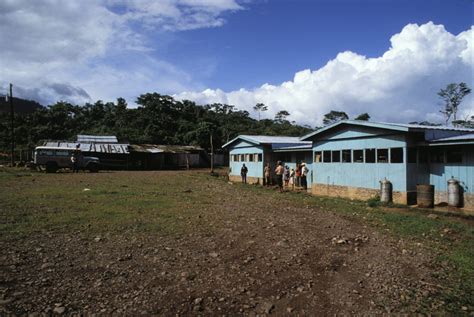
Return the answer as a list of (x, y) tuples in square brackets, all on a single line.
[(153, 156)]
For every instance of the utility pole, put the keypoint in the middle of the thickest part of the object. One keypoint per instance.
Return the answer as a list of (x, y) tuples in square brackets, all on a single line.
[(212, 155), (12, 126)]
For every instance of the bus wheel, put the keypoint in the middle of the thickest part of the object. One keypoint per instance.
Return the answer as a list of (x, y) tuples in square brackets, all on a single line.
[(51, 167), (93, 168)]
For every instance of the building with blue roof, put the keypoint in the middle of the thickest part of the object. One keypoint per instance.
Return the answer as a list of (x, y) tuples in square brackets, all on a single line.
[(350, 158), (257, 150)]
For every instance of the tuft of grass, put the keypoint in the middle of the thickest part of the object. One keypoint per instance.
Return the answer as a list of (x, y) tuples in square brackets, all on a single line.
[(374, 202)]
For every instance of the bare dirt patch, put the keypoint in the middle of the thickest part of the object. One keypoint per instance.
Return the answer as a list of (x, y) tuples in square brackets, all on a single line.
[(232, 250)]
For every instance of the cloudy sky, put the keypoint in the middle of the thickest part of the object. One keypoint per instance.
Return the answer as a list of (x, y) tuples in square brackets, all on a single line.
[(385, 57)]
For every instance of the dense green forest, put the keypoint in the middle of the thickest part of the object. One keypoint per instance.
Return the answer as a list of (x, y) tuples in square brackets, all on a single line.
[(21, 105), (158, 119)]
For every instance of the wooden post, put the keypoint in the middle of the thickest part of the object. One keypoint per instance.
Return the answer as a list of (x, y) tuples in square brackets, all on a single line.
[(212, 156), (12, 118)]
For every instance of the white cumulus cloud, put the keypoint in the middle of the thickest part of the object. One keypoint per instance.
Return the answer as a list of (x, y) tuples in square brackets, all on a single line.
[(399, 86), (81, 51)]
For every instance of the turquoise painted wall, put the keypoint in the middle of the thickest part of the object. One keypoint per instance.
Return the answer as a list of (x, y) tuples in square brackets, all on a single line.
[(438, 174), (365, 175), (362, 143), (309, 165), (404, 176), (417, 174), (244, 144), (464, 172), (255, 169)]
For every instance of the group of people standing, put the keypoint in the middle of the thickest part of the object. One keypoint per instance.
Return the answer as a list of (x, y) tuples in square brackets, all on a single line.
[(284, 175)]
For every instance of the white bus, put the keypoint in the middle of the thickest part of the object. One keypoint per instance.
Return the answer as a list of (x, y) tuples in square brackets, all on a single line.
[(54, 158)]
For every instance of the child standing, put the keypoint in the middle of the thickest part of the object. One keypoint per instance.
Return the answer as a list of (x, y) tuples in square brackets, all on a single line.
[(286, 175), (267, 178), (292, 178)]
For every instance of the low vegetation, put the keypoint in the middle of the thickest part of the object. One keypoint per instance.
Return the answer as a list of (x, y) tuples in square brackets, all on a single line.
[(173, 206)]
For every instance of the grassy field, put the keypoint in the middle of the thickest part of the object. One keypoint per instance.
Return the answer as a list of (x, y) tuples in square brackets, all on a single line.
[(101, 203), (176, 204)]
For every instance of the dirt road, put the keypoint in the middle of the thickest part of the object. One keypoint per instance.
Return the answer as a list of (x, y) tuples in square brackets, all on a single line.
[(242, 251)]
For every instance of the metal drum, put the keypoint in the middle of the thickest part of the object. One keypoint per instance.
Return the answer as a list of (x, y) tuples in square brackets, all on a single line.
[(385, 191), (454, 193), (425, 196)]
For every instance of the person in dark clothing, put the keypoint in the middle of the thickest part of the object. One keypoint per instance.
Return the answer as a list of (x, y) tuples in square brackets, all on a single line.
[(279, 175), (243, 173), (75, 167), (76, 156)]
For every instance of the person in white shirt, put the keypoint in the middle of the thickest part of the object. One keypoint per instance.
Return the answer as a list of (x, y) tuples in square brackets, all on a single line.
[(304, 174)]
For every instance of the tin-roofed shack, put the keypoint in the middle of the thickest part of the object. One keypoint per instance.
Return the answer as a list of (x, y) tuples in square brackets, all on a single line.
[(84, 138), (111, 155), (115, 155), (153, 156)]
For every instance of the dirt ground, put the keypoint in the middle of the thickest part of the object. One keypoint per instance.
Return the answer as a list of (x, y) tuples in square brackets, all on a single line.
[(244, 251)]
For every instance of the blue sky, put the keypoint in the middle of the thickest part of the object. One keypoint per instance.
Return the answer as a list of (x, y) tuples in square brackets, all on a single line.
[(271, 40), (385, 57)]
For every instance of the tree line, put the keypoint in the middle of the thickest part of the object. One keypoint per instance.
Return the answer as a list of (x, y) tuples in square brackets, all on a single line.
[(158, 119)]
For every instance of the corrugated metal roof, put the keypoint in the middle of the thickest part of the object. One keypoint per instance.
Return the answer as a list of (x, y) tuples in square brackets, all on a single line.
[(156, 148), (114, 148), (287, 145), (384, 125), (462, 137), (275, 141), (428, 127), (54, 147), (266, 139), (96, 138), (297, 148), (82, 146)]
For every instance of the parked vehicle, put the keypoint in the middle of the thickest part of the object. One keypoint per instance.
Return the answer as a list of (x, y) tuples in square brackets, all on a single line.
[(54, 158)]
